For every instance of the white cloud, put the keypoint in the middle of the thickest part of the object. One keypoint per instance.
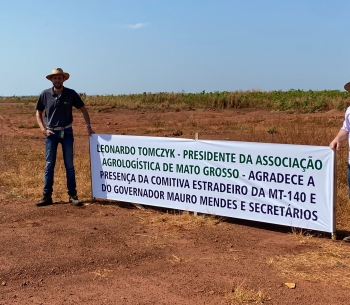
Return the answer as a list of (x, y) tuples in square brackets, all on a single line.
[(136, 26)]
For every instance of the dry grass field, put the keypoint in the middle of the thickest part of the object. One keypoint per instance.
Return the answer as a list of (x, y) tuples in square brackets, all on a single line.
[(113, 253)]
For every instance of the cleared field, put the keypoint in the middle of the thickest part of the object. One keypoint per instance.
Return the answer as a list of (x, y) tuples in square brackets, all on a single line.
[(113, 253)]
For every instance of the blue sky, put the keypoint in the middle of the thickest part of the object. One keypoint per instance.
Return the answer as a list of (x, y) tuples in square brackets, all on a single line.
[(123, 47)]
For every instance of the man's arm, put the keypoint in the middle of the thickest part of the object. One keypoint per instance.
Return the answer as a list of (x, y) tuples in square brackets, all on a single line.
[(340, 137), (39, 119), (87, 120)]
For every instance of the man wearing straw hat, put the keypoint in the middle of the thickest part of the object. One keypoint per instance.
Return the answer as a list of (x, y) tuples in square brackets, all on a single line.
[(57, 103), (344, 134)]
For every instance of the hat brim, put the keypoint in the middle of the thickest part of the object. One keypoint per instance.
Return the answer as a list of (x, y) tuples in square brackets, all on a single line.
[(65, 75), (347, 86)]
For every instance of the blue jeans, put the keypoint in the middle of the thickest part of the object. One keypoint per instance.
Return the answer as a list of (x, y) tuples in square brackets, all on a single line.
[(52, 142)]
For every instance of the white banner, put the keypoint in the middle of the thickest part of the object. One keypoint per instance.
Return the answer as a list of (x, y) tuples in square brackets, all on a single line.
[(290, 185)]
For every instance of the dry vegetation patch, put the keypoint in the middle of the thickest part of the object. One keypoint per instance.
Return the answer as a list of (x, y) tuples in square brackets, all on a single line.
[(241, 295), (178, 220), (322, 260)]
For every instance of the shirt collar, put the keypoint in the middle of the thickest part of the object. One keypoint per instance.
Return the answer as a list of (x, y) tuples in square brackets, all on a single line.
[(53, 93)]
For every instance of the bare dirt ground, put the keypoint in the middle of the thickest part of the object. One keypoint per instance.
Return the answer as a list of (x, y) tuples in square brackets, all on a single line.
[(114, 253)]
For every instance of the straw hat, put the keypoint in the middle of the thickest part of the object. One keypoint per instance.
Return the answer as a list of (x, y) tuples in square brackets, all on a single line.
[(347, 86), (58, 71)]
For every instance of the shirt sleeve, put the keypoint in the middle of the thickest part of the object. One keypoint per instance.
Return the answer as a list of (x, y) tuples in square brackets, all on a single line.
[(346, 123), (40, 102), (77, 101)]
